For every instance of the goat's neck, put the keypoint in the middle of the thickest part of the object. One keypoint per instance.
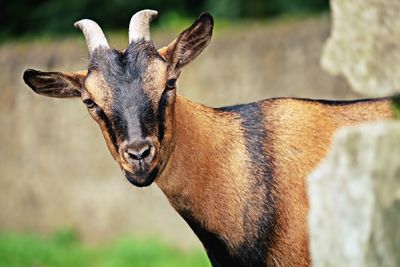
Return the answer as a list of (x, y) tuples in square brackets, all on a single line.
[(206, 179)]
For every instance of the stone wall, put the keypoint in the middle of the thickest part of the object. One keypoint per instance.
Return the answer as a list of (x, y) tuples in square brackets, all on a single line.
[(355, 192), (364, 45), (355, 199)]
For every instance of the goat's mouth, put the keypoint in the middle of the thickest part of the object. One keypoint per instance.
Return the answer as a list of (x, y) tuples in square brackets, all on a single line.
[(142, 179)]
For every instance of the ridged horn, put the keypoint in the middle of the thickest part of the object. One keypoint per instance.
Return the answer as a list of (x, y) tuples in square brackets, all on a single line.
[(139, 26), (93, 34)]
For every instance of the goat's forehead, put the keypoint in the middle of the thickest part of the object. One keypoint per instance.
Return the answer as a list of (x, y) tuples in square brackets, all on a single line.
[(131, 63), (138, 67)]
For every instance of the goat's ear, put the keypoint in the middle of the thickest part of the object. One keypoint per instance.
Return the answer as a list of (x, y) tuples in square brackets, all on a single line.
[(55, 84), (189, 43)]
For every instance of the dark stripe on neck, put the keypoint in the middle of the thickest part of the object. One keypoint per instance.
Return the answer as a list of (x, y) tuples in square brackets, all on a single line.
[(257, 137), (109, 127), (256, 248)]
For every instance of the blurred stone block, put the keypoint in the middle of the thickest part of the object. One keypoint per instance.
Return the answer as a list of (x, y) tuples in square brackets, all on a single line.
[(364, 45), (354, 196)]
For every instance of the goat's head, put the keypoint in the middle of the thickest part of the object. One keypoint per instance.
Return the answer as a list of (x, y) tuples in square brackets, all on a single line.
[(130, 94)]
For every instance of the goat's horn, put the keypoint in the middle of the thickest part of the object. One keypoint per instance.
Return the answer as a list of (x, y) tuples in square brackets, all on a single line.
[(140, 24), (93, 34)]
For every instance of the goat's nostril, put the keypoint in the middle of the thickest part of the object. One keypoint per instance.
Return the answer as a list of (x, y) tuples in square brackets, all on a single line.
[(139, 154), (133, 155), (146, 152)]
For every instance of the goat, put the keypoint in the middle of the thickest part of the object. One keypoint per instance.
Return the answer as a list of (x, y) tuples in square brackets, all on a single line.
[(235, 174)]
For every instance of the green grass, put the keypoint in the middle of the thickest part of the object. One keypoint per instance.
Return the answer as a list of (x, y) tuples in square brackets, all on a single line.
[(64, 249)]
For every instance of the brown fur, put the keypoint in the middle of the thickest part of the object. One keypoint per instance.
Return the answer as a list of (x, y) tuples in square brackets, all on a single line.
[(207, 174)]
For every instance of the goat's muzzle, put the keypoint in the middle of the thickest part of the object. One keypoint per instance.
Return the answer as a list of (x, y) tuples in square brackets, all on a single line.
[(139, 161)]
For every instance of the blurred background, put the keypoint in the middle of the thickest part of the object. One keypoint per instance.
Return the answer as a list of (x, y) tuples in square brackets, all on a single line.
[(63, 199)]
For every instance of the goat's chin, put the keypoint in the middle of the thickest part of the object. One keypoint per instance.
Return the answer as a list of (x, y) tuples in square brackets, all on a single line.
[(142, 180)]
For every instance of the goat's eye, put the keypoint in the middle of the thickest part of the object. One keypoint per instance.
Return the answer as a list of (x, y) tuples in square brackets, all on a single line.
[(171, 83), (89, 103)]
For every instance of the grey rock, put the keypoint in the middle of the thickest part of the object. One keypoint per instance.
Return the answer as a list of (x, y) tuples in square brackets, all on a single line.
[(364, 45), (354, 196)]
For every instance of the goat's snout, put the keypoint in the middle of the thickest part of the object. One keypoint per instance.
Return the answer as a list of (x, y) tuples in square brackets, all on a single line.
[(137, 152)]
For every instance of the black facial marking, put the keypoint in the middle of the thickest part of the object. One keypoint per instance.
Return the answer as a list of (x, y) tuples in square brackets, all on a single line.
[(125, 74), (119, 124), (145, 182), (162, 106), (110, 130), (147, 118)]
